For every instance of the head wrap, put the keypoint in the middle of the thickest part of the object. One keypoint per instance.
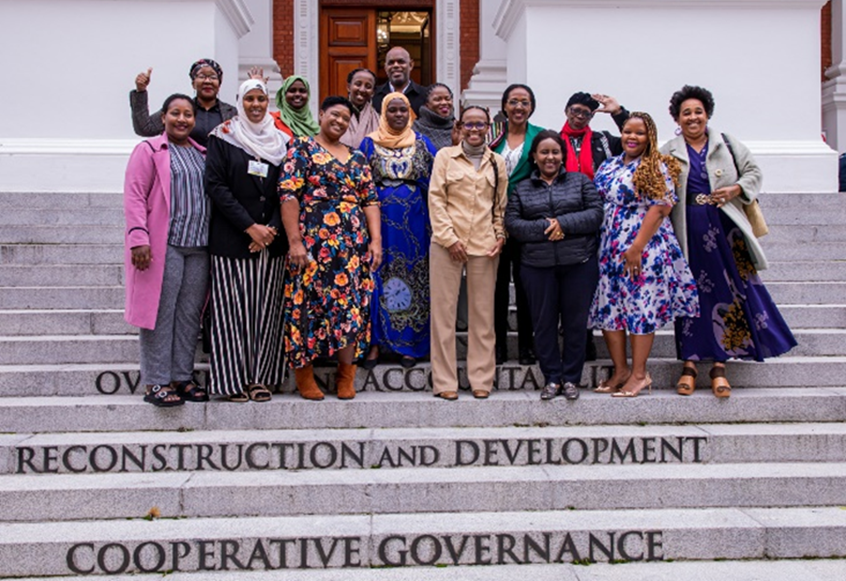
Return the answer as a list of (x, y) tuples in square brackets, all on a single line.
[(583, 99), (195, 68), (299, 120), (260, 139), (388, 137)]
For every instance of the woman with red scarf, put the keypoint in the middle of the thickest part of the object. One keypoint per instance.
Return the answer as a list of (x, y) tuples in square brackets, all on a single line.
[(580, 109)]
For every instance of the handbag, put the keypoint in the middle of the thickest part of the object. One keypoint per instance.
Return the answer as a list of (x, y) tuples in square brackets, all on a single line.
[(753, 211)]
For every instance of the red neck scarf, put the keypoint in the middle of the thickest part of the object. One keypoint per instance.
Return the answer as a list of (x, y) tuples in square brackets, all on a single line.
[(584, 162)]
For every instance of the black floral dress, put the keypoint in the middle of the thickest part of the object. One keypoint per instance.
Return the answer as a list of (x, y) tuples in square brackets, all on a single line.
[(327, 303)]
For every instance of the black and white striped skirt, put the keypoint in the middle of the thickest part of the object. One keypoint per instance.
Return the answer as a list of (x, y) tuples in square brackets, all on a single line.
[(246, 323)]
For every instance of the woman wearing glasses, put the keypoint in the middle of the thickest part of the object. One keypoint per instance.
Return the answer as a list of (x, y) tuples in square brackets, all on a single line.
[(467, 195), (206, 76)]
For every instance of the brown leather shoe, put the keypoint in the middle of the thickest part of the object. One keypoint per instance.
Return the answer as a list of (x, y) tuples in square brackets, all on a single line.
[(448, 395), (306, 385), (481, 394), (345, 381)]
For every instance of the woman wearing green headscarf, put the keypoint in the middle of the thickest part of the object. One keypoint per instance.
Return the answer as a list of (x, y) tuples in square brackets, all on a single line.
[(294, 116)]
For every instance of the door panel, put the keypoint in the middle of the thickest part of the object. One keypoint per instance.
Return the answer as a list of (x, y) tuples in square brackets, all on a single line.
[(346, 43)]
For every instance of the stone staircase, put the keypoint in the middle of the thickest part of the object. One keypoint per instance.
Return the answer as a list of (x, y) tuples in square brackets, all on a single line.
[(396, 484)]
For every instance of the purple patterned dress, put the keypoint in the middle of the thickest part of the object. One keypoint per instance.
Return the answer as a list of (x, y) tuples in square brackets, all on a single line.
[(665, 289), (739, 319)]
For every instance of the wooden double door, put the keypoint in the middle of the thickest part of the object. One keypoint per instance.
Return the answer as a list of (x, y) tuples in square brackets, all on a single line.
[(348, 41)]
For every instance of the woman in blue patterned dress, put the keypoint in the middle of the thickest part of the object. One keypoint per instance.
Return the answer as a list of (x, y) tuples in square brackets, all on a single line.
[(400, 163), (718, 178), (331, 215), (644, 281)]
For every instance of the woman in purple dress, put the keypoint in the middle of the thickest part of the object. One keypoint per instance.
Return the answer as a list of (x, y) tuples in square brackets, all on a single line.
[(718, 177), (644, 282)]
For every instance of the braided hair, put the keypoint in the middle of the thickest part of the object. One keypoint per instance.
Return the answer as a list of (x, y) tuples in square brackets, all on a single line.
[(648, 177)]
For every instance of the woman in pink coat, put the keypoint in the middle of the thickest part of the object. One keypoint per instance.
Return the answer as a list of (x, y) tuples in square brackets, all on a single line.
[(167, 264)]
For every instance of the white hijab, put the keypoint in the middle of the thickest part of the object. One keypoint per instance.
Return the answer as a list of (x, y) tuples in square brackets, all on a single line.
[(261, 139)]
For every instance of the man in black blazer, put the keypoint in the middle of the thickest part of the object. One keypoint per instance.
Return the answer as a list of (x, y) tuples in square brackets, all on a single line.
[(398, 65)]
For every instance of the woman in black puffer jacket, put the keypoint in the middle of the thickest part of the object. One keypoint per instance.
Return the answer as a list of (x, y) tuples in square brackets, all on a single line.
[(556, 216)]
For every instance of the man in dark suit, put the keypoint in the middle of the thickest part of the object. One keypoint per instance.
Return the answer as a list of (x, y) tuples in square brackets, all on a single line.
[(398, 65)]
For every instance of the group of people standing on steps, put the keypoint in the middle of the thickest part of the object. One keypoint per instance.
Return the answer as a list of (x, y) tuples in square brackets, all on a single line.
[(353, 236)]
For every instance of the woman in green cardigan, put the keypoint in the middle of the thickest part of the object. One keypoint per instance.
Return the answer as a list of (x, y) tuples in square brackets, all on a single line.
[(512, 140)]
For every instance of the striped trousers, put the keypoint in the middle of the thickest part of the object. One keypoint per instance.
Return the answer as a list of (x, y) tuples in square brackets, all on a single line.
[(246, 323)]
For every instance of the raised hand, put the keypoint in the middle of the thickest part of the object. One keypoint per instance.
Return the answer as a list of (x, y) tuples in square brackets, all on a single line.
[(607, 104), (142, 80), (258, 74)]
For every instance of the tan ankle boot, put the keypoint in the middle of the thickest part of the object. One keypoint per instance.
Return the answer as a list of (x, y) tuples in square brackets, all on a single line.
[(345, 381), (306, 384)]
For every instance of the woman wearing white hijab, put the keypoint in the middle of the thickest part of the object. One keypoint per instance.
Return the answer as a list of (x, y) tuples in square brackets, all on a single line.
[(248, 247)]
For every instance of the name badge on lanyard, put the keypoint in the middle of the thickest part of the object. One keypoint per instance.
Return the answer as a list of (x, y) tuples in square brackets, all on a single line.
[(257, 168)]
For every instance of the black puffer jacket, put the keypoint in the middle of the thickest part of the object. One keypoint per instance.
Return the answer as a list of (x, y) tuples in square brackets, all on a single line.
[(573, 201)]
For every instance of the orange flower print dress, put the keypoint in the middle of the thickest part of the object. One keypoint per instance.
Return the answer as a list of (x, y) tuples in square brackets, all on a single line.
[(327, 304)]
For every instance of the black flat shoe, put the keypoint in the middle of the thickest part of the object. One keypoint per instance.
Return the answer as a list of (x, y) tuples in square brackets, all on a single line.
[(370, 363), (408, 362), (527, 357)]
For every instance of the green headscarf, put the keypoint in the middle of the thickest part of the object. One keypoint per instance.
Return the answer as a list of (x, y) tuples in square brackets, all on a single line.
[(300, 121)]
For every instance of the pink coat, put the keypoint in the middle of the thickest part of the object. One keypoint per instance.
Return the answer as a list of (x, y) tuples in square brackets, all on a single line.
[(146, 205)]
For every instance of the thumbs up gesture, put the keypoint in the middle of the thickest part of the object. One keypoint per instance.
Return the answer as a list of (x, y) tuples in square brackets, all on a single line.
[(142, 80)]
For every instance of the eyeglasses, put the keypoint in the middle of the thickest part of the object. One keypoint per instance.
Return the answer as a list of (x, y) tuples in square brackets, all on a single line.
[(208, 77), (587, 113), (475, 126), (515, 103)]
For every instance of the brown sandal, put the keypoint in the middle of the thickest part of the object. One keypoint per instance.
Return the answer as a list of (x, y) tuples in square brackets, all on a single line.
[(258, 393), (687, 381), (719, 384)]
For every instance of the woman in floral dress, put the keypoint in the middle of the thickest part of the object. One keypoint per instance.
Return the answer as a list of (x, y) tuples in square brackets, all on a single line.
[(401, 163), (331, 214), (644, 281), (719, 179)]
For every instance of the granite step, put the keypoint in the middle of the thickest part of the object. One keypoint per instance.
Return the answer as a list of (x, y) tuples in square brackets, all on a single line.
[(60, 201), (423, 448), (65, 234), (58, 254), (64, 297), (86, 379), (797, 316), (59, 349), (205, 494), (91, 275), (64, 217), (805, 271), (126, 413), (805, 233), (65, 322), (791, 251), (794, 292), (725, 570), (402, 540)]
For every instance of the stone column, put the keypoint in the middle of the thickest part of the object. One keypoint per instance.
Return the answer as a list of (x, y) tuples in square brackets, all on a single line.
[(256, 47), (834, 89), (760, 58), (489, 75)]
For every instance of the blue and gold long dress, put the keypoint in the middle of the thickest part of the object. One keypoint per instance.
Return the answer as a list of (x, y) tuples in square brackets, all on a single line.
[(399, 311)]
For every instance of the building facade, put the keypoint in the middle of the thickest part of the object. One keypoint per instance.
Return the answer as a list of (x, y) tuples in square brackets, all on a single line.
[(761, 59)]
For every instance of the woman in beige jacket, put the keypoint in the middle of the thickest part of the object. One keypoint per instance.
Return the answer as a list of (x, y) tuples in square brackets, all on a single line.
[(719, 176), (467, 195)]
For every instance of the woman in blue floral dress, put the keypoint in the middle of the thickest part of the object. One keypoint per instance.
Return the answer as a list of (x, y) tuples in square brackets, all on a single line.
[(644, 281), (400, 163), (330, 210)]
